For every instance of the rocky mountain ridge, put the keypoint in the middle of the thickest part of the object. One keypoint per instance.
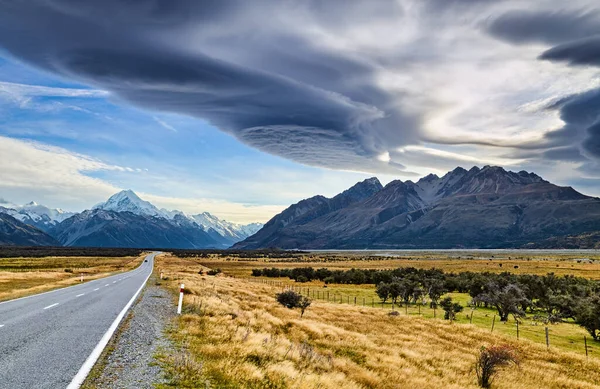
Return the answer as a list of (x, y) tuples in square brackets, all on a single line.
[(485, 207)]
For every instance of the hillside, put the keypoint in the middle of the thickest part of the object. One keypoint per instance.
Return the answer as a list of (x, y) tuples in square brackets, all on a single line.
[(16, 233), (478, 208)]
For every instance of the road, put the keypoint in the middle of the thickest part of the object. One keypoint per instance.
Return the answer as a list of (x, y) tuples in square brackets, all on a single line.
[(48, 339)]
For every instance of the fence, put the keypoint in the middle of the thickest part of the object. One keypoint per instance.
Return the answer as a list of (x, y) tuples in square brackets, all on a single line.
[(525, 329)]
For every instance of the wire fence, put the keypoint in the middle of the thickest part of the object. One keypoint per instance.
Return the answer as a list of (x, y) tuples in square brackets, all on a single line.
[(529, 329)]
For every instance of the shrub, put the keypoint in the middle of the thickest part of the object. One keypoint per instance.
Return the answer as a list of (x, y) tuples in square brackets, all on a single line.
[(213, 272), (450, 308), (68, 270), (490, 360), (302, 279), (291, 300)]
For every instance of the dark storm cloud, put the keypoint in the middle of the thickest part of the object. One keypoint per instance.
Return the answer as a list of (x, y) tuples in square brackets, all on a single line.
[(582, 52), (552, 27), (581, 115), (271, 90)]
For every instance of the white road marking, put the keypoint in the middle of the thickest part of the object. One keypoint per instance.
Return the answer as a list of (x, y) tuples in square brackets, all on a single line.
[(1, 325), (50, 306), (107, 285), (79, 295), (96, 289), (91, 360), (114, 282)]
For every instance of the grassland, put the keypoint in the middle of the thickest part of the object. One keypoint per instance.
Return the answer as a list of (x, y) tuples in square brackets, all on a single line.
[(566, 336), (560, 265), (234, 335), (20, 277)]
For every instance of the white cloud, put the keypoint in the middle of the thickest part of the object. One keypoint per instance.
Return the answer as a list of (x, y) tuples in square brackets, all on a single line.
[(164, 124), (59, 178)]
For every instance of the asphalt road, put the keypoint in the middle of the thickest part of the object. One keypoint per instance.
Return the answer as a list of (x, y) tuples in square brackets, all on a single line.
[(45, 339)]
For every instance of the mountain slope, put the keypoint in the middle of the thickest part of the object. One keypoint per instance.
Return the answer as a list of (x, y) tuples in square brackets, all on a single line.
[(102, 228), (16, 233), (224, 232), (37, 215), (479, 208)]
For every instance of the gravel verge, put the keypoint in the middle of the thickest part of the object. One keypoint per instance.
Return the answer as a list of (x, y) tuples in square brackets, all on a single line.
[(130, 359)]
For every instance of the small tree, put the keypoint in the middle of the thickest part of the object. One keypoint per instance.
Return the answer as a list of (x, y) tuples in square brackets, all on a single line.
[(303, 304), (587, 315), (435, 290), (383, 291), (450, 308), (507, 300), (490, 360), (291, 300)]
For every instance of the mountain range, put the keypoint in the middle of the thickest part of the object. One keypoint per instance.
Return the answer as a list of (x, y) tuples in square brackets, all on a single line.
[(124, 220), (485, 207)]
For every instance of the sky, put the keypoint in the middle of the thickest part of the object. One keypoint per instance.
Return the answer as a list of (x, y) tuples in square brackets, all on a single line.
[(241, 108)]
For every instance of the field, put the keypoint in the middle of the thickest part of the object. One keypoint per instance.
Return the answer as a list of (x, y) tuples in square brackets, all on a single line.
[(20, 277), (566, 336), (234, 334)]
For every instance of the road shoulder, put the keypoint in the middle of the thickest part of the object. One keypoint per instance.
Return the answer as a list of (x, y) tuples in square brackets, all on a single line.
[(130, 361)]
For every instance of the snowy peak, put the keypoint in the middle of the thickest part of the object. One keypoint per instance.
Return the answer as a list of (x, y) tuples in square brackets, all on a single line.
[(129, 201)]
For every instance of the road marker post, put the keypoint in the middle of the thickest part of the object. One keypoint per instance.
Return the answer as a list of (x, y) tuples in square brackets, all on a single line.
[(180, 299), (81, 277)]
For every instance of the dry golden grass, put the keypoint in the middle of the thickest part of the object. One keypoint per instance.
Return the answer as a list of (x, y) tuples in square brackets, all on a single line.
[(21, 277), (235, 335), (540, 265)]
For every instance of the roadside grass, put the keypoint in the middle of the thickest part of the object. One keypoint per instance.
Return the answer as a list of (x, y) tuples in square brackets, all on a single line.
[(20, 277), (234, 335)]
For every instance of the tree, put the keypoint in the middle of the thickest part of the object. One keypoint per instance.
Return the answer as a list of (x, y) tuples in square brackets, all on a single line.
[(383, 291), (450, 308), (507, 300), (587, 315), (303, 304), (435, 289), (291, 300), (490, 360)]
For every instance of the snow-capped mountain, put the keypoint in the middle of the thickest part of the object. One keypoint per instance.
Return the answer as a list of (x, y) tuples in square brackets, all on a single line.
[(35, 214), (125, 220), (231, 231), (129, 201)]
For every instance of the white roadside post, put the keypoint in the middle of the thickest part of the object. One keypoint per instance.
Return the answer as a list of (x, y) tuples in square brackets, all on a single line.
[(81, 277), (180, 299)]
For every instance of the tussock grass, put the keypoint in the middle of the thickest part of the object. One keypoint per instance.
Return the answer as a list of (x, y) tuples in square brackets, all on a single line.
[(20, 277), (541, 264), (238, 337)]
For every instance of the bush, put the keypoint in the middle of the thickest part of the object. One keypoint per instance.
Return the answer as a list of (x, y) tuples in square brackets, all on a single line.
[(291, 300), (302, 279), (450, 308), (68, 270), (213, 272), (490, 360)]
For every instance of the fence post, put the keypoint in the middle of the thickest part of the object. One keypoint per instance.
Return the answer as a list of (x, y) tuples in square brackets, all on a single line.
[(372, 302), (493, 323), (517, 329), (471, 318), (363, 301), (406, 307), (327, 296), (547, 338), (585, 343), (180, 299), (354, 300)]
